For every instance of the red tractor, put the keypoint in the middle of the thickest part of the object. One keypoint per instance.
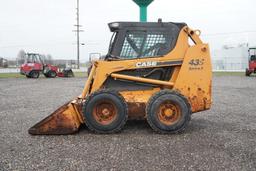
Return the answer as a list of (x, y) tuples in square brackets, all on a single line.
[(34, 66), (252, 62)]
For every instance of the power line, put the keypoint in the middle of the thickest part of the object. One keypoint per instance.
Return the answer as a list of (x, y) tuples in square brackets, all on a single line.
[(229, 33), (36, 44), (49, 44)]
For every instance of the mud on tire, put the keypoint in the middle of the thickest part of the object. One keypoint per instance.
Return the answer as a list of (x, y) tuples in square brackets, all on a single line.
[(105, 111), (168, 112)]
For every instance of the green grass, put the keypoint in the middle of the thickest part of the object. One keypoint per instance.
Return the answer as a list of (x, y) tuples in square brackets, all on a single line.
[(10, 75), (84, 74), (80, 74), (18, 75), (228, 73)]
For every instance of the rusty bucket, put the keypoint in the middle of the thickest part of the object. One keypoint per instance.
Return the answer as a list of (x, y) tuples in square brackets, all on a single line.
[(65, 120)]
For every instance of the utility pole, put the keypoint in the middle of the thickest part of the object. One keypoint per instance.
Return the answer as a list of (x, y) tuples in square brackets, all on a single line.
[(78, 34)]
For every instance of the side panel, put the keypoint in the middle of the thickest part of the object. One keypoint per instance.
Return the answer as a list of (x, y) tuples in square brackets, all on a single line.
[(162, 74), (195, 77), (252, 65), (137, 101)]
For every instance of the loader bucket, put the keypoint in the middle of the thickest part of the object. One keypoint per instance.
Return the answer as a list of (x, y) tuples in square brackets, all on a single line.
[(65, 120)]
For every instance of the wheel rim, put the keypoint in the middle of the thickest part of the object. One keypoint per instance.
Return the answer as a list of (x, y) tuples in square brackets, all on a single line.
[(35, 75), (169, 113), (105, 112), (52, 74)]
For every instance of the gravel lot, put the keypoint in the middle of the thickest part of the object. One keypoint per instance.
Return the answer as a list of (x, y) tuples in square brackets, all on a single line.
[(223, 138)]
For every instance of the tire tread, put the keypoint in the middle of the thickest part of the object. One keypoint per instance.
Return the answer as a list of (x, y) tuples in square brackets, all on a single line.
[(157, 95), (109, 91)]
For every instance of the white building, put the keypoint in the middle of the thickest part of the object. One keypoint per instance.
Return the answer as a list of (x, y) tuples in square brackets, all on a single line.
[(230, 59)]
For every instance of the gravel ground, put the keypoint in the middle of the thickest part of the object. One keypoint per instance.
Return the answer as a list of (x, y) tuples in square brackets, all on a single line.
[(223, 138)]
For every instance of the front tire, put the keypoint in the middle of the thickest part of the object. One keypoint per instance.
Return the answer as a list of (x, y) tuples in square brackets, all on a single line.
[(70, 73), (168, 112), (105, 111), (247, 72), (51, 74)]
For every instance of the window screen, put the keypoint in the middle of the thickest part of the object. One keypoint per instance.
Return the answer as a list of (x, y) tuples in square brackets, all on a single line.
[(153, 44), (132, 45), (142, 44)]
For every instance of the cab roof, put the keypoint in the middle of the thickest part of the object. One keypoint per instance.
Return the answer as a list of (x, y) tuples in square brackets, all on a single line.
[(114, 26)]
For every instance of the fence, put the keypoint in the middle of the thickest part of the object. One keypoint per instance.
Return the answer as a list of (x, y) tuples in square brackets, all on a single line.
[(17, 70), (219, 66)]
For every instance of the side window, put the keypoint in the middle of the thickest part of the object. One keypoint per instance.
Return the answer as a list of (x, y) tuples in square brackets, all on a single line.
[(139, 44), (252, 53), (253, 58), (37, 58), (132, 45), (154, 45)]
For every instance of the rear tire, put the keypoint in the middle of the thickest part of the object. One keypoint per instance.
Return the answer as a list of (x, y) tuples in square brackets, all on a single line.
[(168, 112), (247, 72), (34, 74), (105, 111), (27, 76)]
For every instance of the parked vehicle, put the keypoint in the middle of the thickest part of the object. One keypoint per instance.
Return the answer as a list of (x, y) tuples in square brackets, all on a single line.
[(252, 62), (34, 66), (3, 63), (150, 72)]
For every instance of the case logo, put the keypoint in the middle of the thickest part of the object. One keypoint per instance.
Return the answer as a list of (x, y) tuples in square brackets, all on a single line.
[(146, 64)]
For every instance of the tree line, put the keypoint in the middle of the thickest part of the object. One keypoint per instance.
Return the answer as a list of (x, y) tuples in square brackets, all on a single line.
[(21, 58)]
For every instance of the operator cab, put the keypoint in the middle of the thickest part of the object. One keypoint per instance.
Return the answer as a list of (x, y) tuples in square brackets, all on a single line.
[(131, 40), (252, 54), (33, 58), (252, 62)]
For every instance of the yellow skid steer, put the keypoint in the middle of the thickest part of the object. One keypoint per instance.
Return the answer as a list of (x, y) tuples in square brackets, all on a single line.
[(158, 71)]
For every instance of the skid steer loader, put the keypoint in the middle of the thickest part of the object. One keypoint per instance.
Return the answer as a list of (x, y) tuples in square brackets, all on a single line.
[(158, 71)]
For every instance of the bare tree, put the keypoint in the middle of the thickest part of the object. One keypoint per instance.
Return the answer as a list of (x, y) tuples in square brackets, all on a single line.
[(49, 59), (43, 58), (21, 57)]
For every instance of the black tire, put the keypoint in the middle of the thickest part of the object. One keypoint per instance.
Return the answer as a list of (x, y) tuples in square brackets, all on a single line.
[(34, 74), (28, 76), (70, 73), (111, 121), (51, 74), (174, 102), (247, 72), (89, 70), (46, 75)]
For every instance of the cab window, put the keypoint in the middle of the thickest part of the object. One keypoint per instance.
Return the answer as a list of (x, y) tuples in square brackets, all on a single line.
[(253, 58), (139, 44)]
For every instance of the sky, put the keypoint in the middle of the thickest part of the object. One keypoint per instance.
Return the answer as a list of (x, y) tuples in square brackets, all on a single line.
[(45, 26)]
